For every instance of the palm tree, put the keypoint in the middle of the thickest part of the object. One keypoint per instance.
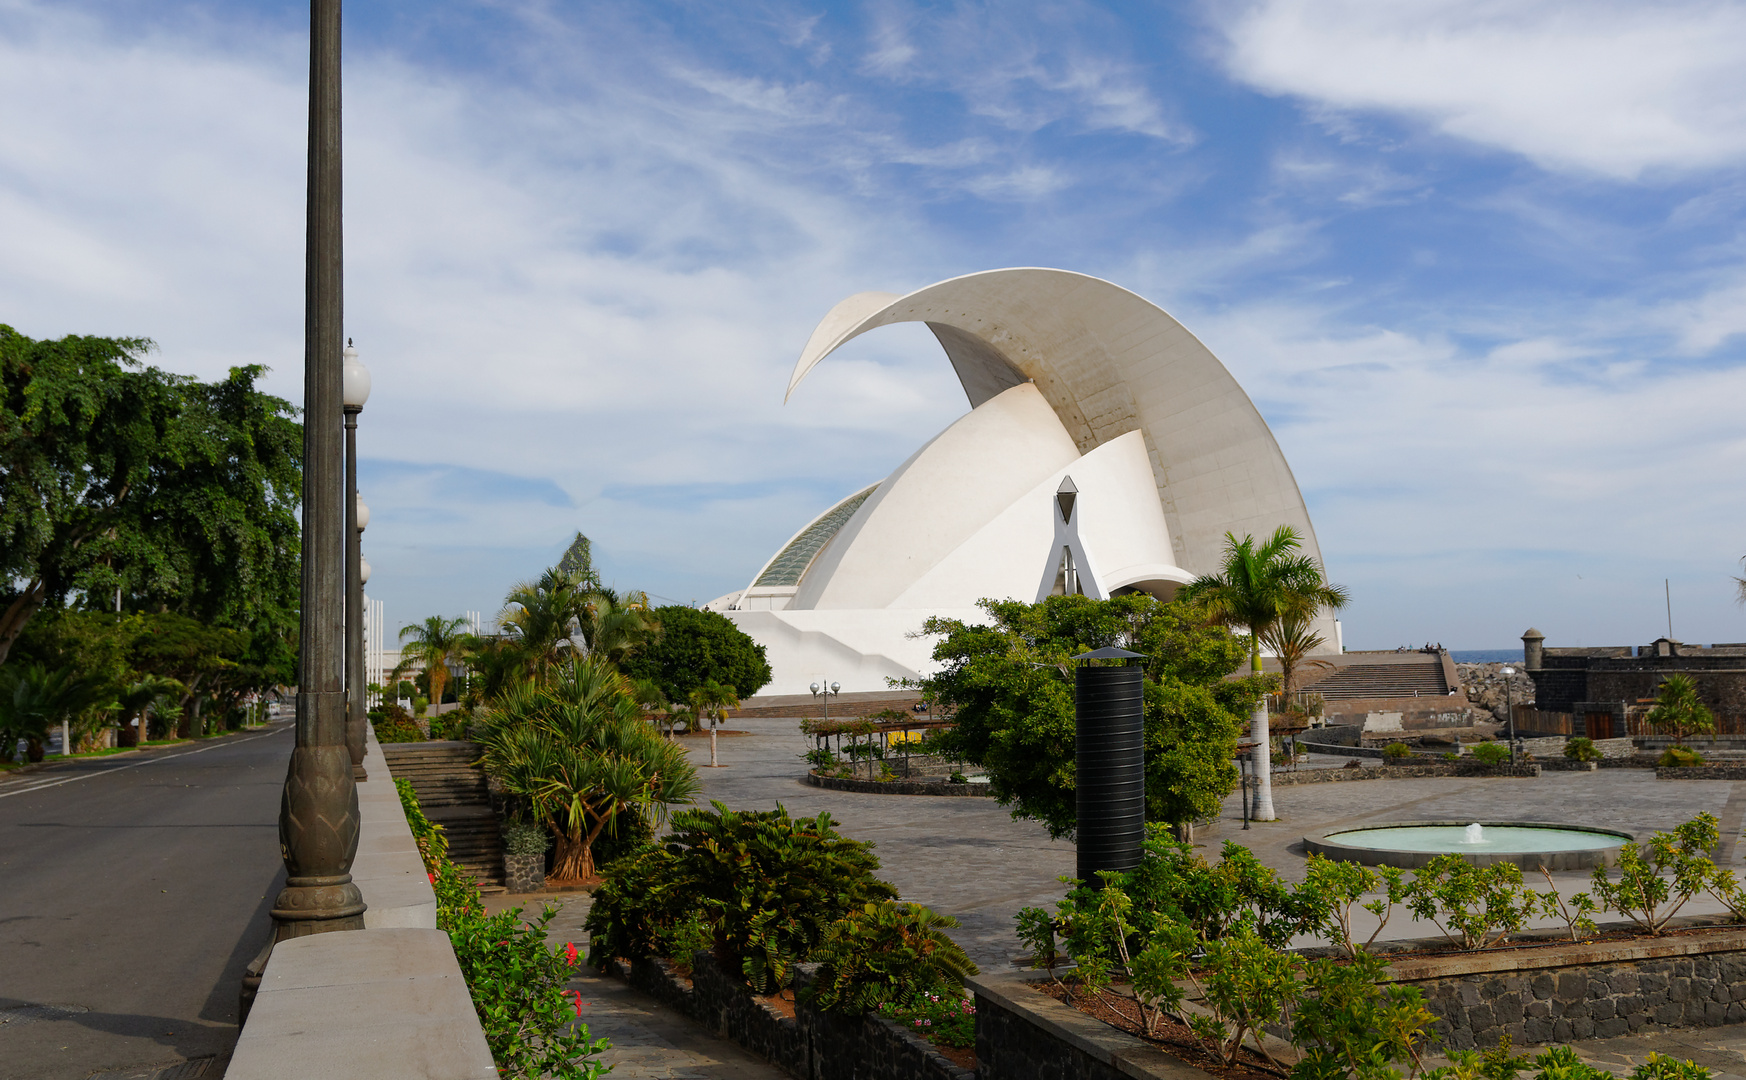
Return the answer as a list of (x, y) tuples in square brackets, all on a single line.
[(1292, 641), (713, 700), (435, 642), (1680, 711), (544, 617), (616, 629), (1255, 589), (142, 699), (33, 700), (651, 699), (578, 750)]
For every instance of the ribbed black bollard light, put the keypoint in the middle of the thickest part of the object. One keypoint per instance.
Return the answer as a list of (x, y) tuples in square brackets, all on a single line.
[(1108, 705)]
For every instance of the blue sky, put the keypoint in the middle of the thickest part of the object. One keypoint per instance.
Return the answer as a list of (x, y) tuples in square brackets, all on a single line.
[(1481, 265)]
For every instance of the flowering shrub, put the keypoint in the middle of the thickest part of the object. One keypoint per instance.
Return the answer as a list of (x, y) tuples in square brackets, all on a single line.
[(947, 1019), (516, 980)]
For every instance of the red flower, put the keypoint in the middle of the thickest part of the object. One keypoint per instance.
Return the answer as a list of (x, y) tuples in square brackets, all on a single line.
[(431, 876), (578, 994), (570, 952)]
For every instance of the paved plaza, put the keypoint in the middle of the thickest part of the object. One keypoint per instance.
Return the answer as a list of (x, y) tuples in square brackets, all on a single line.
[(968, 858)]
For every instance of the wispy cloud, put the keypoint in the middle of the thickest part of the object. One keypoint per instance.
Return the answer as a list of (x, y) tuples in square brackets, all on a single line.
[(1600, 87)]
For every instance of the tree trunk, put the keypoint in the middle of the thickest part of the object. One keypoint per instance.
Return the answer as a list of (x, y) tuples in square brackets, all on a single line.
[(1261, 760), (18, 613), (712, 763)]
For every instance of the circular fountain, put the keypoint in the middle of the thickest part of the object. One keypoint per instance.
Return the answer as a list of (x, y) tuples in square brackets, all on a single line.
[(1528, 844)]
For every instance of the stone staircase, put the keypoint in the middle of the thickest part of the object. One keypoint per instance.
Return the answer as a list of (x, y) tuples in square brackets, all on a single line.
[(1395, 680), (452, 792)]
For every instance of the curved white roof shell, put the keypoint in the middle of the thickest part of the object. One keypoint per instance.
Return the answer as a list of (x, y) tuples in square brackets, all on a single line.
[(1108, 362), (1074, 384)]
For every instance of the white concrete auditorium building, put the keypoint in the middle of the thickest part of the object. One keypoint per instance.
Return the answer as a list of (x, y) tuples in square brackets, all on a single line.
[(1106, 450)]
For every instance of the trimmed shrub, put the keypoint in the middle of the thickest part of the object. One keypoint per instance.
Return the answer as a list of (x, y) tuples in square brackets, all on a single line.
[(1396, 751), (1582, 748), (1680, 757)]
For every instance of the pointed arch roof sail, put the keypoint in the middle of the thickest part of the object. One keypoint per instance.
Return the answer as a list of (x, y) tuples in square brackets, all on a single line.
[(1108, 362)]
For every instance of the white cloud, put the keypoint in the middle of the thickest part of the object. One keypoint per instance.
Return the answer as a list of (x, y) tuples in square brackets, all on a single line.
[(1606, 87)]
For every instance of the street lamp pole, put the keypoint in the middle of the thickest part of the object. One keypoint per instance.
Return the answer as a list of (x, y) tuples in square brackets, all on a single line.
[(355, 390), (318, 813), (1510, 712)]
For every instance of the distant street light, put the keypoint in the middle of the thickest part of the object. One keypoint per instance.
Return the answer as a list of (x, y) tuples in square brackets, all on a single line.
[(826, 690), (1510, 712), (355, 391)]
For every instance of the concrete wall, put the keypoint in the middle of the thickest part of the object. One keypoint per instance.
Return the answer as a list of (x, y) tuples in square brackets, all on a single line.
[(384, 1003)]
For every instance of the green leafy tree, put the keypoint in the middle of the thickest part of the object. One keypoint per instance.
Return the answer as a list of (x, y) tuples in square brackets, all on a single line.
[(1008, 686), (1259, 586), (698, 647), (197, 655), (123, 483), (1679, 711)]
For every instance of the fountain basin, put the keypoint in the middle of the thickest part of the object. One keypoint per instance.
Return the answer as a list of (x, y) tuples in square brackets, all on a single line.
[(1528, 844)]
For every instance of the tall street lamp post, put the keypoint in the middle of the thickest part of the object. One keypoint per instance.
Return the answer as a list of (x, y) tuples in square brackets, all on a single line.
[(318, 813), (355, 391)]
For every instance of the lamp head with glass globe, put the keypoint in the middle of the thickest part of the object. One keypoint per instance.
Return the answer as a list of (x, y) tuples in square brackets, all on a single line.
[(354, 380)]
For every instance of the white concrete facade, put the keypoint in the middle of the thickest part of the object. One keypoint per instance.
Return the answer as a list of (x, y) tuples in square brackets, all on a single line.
[(1075, 384)]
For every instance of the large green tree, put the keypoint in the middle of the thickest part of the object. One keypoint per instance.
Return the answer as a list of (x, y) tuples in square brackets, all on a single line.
[(436, 643), (1008, 685), (695, 648), (123, 485), (1258, 586)]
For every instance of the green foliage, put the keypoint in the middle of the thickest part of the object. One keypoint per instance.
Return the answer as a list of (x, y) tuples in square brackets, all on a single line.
[(1009, 688), (767, 886), (1660, 1067), (394, 724), (947, 1019), (1577, 912), (1679, 710), (1475, 906), (518, 986), (34, 699), (887, 952), (180, 494), (1582, 748), (525, 838), (1679, 757), (578, 751), (1350, 1026), (1561, 1063), (1248, 985), (516, 980), (1657, 878), (1490, 753), (698, 647), (1331, 890), (1395, 751)]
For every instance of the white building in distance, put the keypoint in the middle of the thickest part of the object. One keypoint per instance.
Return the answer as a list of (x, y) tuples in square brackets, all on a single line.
[(1107, 450)]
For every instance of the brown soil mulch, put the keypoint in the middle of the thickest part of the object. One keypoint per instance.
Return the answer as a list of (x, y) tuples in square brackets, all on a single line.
[(962, 1056), (1123, 1013)]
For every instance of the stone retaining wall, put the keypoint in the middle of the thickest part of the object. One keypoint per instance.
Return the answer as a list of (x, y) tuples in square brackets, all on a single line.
[(810, 1045), (1405, 772), (895, 787), (1582, 991), (1700, 772)]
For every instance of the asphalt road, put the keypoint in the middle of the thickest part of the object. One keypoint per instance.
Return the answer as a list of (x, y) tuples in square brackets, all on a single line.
[(133, 891)]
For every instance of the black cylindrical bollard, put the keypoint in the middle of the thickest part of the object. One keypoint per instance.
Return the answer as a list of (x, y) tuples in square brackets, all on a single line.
[(1111, 776)]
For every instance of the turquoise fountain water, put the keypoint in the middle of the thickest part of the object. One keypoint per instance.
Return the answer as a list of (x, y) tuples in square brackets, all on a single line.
[(1475, 838)]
